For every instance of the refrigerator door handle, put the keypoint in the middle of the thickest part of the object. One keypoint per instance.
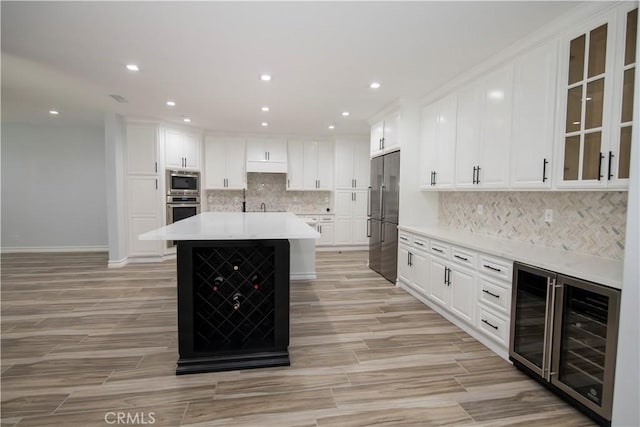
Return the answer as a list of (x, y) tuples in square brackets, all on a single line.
[(369, 201), (545, 344), (382, 201), (554, 357), (369, 227), (381, 232)]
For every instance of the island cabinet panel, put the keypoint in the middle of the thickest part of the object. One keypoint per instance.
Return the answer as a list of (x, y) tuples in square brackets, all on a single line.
[(233, 304)]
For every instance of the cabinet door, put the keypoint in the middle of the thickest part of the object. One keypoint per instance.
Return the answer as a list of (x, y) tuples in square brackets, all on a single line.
[(343, 230), (428, 146), (236, 164), (324, 165), (344, 163), (377, 132), (295, 165), (496, 130), (359, 231), (143, 196), (391, 133), (326, 234), (586, 94), (446, 136), (142, 150), (534, 102), (256, 151), (174, 149), (463, 295), (361, 164), (360, 203), (191, 151), (468, 136), (344, 203), (420, 269), (276, 150), (438, 289), (139, 247), (215, 151), (404, 269), (310, 169)]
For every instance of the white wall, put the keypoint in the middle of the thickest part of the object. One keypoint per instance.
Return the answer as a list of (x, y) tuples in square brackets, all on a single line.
[(53, 188), (416, 207)]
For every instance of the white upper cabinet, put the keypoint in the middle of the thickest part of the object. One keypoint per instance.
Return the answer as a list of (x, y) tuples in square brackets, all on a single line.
[(534, 100), (142, 149), (182, 150), (438, 144), (310, 165), (484, 131), (351, 164), (225, 163), (385, 135), (266, 155), (597, 70)]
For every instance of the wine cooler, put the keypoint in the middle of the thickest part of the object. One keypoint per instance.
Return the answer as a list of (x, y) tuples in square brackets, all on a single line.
[(564, 333)]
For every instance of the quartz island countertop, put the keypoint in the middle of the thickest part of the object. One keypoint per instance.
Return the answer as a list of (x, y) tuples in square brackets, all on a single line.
[(235, 226)]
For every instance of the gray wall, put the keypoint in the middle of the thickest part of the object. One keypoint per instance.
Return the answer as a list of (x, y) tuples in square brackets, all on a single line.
[(53, 188)]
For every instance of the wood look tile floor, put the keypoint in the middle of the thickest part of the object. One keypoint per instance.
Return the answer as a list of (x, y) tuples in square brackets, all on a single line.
[(81, 342)]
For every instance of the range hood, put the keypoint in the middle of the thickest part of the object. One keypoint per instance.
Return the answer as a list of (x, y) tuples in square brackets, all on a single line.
[(266, 166)]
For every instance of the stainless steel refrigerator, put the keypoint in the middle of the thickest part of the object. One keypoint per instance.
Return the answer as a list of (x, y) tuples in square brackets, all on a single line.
[(384, 199)]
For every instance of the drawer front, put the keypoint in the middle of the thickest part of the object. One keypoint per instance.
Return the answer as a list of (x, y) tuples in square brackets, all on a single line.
[(495, 295), (405, 238), (439, 249), (496, 267), (495, 326), (420, 243), (463, 257), (326, 219)]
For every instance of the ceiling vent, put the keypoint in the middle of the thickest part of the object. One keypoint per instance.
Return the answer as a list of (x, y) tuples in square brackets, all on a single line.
[(119, 98)]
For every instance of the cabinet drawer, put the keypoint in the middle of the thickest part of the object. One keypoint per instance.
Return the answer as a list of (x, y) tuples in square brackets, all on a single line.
[(420, 243), (440, 249), (496, 267), (463, 257), (495, 326), (405, 238), (495, 295), (326, 219)]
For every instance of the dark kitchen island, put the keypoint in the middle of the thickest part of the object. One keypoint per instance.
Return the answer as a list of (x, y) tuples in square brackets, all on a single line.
[(233, 273)]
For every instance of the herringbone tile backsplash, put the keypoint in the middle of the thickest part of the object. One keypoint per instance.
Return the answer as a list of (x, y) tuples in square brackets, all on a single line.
[(586, 222)]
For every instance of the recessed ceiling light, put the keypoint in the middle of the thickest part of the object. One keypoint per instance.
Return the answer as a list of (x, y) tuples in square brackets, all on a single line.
[(53, 112), (171, 103), (264, 124), (345, 113), (265, 77), (132, 67), (187, 120), (374, 85), (332, 127), (265, 109)]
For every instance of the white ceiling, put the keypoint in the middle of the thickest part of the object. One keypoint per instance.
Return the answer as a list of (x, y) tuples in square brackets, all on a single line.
[(207, 56)]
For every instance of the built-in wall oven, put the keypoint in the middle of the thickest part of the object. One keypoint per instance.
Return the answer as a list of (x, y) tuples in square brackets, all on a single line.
[(183, 196), (564, 333)]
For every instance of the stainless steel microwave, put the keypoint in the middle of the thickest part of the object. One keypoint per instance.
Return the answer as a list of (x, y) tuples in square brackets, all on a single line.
[(183, 183)]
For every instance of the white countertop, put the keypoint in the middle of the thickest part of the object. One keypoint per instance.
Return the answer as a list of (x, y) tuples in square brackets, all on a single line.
[(235, 226), (605, 271)]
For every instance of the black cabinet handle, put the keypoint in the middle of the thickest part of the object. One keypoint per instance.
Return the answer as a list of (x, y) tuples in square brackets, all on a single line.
[(491, 293), (461, 257), (491, 268), (156, 184), (419, 244), (437, 250), (410, 259), (445, 275), (494, 327), (435, 178), (478, 175), (474, 175), (156, 167), (448, 276), (610, 175), (600, 166), (544, 170)]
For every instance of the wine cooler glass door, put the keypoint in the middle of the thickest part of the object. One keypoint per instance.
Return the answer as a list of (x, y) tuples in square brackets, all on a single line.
[(585, 341), (531, 318)]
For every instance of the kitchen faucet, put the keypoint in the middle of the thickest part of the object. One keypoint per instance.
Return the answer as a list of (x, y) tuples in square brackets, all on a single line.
[(263, 207)]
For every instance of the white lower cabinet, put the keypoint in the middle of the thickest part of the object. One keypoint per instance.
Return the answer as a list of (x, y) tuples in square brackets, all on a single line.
[(351, 217), (470, 288)]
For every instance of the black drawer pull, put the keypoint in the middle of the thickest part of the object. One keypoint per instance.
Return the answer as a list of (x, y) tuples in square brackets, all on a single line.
[(404, 238), (437, 250), (490, 293), (491, 268), (461, 257), (494, 327), (419, 244)]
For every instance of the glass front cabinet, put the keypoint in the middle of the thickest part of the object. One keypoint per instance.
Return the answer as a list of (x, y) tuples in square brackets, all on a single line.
[(597, 87)]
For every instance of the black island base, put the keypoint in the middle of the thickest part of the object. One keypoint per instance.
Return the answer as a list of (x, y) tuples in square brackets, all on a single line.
[(233, 304)]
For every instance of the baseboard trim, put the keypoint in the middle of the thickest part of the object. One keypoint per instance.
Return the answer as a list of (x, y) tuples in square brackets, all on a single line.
[(146, 259), (302, 276), (51, 249), (117, 263), (341, 248)]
